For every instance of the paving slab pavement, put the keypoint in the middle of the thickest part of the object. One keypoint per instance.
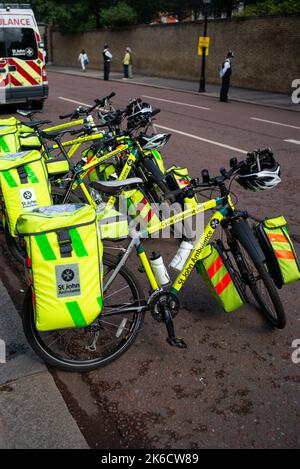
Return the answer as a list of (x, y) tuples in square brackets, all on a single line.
[(33, 413), (260, 98)]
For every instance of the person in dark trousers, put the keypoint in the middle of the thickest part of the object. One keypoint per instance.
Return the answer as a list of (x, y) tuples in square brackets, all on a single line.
[(126, 63), (225, 74), (107, 56)]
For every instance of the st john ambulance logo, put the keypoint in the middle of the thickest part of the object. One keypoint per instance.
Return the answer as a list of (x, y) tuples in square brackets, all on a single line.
[(28, 198), (214, 223), (67, 275), (29, 52), (27, 195), (67, 280)]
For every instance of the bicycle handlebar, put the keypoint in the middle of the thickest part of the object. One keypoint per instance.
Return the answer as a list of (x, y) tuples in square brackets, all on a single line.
[(102, 101), (155, 111), (196, 185), (87, 110)]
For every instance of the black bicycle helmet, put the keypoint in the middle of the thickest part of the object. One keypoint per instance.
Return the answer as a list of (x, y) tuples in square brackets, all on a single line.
[(260, 173)]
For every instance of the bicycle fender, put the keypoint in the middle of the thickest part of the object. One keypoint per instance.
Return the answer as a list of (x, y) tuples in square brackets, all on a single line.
[(243, 233)]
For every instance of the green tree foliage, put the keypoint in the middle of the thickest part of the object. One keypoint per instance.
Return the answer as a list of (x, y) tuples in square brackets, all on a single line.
[(272, 7), (80, 15), (118, 15)]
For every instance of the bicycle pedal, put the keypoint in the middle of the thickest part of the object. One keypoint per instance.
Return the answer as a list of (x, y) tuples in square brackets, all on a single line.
[(175, 342)]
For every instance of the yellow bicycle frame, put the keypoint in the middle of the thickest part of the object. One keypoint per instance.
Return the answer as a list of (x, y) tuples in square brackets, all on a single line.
[(96, 162), (225, 203)]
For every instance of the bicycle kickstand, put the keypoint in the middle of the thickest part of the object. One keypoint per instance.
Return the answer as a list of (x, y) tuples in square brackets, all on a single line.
[(172, 339)]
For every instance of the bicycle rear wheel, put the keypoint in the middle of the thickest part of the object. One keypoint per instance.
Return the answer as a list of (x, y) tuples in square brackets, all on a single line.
[(255, 275), (111, 334)]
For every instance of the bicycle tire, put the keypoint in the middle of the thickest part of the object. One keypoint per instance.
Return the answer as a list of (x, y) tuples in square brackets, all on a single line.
[(58, 194), (276, 317), (35, 339), (14, 247)]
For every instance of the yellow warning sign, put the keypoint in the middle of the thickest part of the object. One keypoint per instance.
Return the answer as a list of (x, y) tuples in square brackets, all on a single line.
[(204, 42)]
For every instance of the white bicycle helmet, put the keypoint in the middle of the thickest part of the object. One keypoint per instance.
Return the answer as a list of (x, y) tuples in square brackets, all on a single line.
[(261, 174), (155, 141)]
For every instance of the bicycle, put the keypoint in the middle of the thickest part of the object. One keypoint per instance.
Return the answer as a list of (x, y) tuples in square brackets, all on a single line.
[(122, 317), (14, 132)]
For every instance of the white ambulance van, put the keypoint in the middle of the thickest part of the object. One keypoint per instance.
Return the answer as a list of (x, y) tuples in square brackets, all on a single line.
[(23, 77)]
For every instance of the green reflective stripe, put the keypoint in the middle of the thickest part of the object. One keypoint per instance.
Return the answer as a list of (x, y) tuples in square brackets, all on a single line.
[(100, 302), (285, 231), (45, 247), (76, 314), (4, 145), (156, 154), (77, 243), (31, 175), (9, 179)]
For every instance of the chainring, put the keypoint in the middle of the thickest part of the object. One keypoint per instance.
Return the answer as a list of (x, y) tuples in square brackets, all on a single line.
[(160, 300)]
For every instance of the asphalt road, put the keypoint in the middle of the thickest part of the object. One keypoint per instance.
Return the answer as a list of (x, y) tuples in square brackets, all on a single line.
[(236, 385)]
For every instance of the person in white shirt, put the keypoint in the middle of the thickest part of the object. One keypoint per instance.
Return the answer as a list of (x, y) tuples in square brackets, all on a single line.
[(225, 74), (83, 59), (107, 56)]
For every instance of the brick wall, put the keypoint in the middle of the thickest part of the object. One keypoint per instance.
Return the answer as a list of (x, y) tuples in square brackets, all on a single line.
[(267, 50)]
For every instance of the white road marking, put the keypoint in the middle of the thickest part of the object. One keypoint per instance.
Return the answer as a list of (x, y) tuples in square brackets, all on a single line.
[(75, 102), (177, 102), (275, 123), (296, 142), (223, 145)]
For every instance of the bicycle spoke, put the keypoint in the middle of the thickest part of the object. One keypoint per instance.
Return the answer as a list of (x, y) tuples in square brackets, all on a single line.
[(115, 292)]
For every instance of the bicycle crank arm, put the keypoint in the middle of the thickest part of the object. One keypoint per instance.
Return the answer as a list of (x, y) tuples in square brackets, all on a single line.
[(172, 339)]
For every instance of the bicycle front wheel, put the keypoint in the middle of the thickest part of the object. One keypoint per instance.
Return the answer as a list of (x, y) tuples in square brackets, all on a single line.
[(111, 334)]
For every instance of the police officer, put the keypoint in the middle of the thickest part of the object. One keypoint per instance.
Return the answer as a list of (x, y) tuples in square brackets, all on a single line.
[(225, 74), (107, 56)]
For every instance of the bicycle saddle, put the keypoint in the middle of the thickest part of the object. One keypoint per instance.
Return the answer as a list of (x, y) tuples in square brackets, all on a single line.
[(113, 187), (27, 112), (35, 125), (54, 135)]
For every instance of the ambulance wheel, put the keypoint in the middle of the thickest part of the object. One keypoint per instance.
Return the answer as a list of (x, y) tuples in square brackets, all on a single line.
[(37, 105), (111, 334)]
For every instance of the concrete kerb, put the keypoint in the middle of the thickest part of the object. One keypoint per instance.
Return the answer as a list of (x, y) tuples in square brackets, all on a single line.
[(33, 413)]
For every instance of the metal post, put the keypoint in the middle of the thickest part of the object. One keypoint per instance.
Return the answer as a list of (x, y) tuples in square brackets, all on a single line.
[(202, 76)]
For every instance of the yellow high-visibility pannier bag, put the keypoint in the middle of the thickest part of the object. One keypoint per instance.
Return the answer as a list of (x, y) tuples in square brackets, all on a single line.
[(279, 250), (24, 184), (11, 136), (9, 140), (220, 279), (112, 224), (178, 178), (29, 142), (138, 208), (57, 167), (65, 261), (12, 123)]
